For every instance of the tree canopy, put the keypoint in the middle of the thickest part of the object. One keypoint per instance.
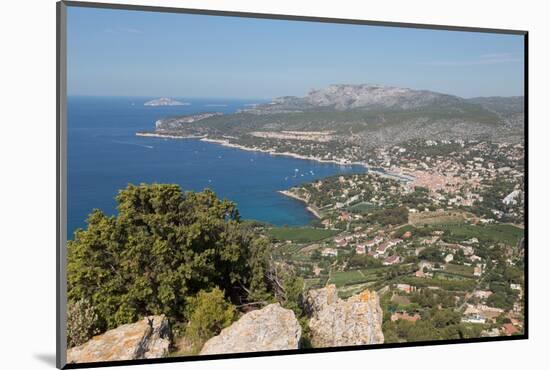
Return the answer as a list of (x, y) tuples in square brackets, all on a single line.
[(163, 246)]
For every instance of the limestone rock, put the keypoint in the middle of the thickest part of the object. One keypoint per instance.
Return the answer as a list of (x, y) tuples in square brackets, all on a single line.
[(148, 338), (272, 328), (336, 322)]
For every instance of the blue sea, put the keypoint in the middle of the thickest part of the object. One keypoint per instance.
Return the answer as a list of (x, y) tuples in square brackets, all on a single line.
[(104, 155)]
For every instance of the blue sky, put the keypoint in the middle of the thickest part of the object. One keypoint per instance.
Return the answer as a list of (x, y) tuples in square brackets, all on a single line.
[(135, 53)]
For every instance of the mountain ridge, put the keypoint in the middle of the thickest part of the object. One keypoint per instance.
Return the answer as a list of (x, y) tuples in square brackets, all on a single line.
[(356, 119), (344, 97)]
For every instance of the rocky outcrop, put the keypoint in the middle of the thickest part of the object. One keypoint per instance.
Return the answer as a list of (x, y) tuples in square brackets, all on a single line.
[(162, 102), (336, 322), (342, 97), (345, 97), (272, 328), (148, 338)]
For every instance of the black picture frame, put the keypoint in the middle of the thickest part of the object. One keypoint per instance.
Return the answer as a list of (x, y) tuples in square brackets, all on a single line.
[(61, 188)]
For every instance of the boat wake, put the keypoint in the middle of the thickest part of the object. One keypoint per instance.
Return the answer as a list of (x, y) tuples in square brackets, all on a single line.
[(136, 144)]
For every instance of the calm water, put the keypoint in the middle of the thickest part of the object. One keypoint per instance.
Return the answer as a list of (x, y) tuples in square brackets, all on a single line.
[(104, 155)]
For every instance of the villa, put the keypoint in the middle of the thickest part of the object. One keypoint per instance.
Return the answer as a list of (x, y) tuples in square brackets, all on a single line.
[(329, 252), (392, 260)]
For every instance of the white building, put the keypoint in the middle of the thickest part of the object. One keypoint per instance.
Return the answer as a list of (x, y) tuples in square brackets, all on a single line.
[(474, 319), (329, 252)]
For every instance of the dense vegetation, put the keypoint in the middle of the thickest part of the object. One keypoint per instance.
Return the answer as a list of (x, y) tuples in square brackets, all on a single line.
[(330, 119), (390, 216), (443, 324), (163, 246), (439, 320)]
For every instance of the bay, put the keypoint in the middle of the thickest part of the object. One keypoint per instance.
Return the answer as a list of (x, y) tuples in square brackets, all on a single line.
[(104, 155)]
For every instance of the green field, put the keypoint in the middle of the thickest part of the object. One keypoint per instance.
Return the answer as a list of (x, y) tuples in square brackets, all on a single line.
[(436, 218), (301, 234), (461, 270), (506, 234), (342, 278), (290, 248), (447, 276)]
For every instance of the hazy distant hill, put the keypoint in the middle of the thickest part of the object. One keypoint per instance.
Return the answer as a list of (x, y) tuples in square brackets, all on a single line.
[(510, 109), (363, 97), (161, 102), (368, 114)]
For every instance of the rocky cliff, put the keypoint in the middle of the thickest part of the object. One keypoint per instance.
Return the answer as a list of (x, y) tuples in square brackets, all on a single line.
[(272, 328), (342, 97), (336, 322), (148, 338)]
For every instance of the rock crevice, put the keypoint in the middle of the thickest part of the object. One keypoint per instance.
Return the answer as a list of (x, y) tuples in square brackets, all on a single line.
[(148, 338), (335, 322)]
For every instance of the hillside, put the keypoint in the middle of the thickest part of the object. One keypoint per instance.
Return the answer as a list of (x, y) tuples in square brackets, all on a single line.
[(510, 109), (362, 97), (356, 118)]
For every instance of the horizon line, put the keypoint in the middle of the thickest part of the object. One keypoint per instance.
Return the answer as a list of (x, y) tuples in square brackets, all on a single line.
[(263, 98)]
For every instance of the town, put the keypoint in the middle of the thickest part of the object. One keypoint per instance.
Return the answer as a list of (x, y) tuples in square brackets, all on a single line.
[(442, 242)]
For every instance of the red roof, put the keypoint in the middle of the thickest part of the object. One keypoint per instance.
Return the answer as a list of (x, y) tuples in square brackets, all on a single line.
[(391, 259), (510, 329)]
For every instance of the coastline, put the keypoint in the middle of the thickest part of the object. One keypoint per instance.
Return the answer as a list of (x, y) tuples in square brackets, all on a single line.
[(168, 136), (383, 173), (308, 207), (226, 143)]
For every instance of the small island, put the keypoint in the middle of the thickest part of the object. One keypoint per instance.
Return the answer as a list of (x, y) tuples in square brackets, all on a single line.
[(163, 102)]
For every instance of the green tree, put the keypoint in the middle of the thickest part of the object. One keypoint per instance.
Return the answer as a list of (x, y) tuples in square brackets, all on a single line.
[(162, 247), (293, 294), (446, 317), (363, 260), (422, 331), (294, 300)]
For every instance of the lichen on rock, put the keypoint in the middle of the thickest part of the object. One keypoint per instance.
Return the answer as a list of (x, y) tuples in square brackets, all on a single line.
[(271, 328), (148, 338), (336, 322)]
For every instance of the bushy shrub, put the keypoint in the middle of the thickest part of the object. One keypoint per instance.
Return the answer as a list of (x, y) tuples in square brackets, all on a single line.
[(81, 322), (208, 313), (293, 294)]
